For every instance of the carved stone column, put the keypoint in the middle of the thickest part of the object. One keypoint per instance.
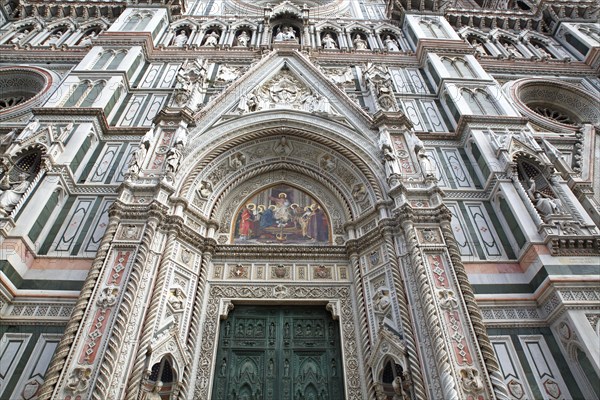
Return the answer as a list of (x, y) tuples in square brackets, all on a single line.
[(465, 364)]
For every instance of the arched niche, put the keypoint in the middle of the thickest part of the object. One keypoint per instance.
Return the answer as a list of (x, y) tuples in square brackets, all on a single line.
[(218, 183)]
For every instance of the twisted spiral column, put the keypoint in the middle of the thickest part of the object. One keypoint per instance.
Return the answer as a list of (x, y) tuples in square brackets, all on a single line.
[(431, 312), (108, 363), (194, 330), (75, 324), (411, 348), (135, 377), (487, 351), (364, 328)]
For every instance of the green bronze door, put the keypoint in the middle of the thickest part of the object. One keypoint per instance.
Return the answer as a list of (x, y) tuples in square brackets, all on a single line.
[(278, 353)]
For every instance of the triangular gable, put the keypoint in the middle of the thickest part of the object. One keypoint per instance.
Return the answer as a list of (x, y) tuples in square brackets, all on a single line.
[(287, 81)]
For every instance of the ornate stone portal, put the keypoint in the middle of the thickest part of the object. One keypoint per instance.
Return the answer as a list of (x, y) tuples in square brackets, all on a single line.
[(289, 229)]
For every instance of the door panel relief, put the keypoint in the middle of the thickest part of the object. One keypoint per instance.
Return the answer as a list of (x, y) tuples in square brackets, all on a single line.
[(279, 353)]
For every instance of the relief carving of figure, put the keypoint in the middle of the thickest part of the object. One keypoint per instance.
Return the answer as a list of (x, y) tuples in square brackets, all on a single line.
[(385, 96), (205, 189), (283, 147), (470, 380), (340, 76), (382, 301), (79, 379), (227, 73), (5, 168), (248, 103), (359, 192), (284, 90), (190, 73)]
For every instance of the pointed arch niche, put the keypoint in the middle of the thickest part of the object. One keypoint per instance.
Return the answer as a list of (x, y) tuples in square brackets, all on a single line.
[(322, 171)]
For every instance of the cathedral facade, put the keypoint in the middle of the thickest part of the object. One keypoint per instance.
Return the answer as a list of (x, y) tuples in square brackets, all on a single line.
[(299, 200)]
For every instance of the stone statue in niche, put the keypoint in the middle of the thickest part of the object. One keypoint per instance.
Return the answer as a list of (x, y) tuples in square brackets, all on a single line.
[(360, 43), (285, 33), (427, 165), (243, 39), (542, 52), (392, 167), (545, 204), (512, 51), (180, 39), (212, 39), (154, 394), (137, 158), (19, 37), (391, 44), (53, 39), (479, 48), (10, 197), (328, 42), (87, 39), (173, 160)]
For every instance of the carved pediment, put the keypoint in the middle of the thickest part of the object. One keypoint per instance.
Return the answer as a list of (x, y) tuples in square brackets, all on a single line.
[(285, 91)]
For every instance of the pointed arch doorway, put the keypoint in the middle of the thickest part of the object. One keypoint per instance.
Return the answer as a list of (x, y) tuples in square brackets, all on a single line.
[(279, 353)]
